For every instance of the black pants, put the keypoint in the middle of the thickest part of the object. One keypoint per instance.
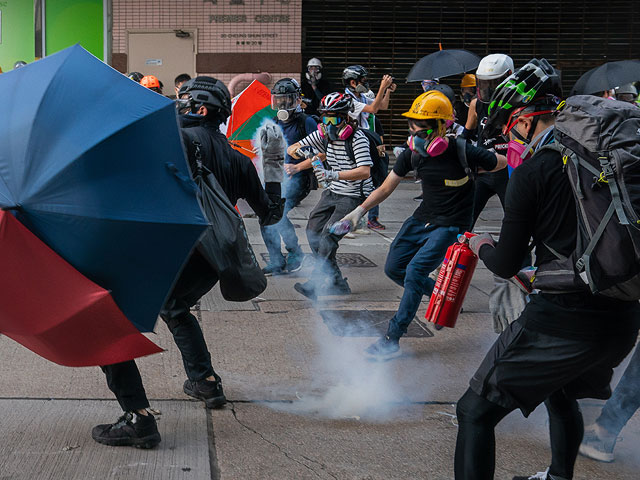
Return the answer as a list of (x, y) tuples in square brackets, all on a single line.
[(330, 209), (526, 367), (486, 186), (476, 443), (196, 280)]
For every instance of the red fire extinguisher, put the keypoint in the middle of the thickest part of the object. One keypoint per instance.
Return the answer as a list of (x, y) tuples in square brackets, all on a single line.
[(452, 283)]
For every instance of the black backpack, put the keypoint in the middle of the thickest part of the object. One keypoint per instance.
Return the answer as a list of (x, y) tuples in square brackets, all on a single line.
[(380, 167), (599, 141)]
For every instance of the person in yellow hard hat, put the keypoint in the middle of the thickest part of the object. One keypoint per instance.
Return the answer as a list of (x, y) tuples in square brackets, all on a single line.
[(467, 94), (445, 167)]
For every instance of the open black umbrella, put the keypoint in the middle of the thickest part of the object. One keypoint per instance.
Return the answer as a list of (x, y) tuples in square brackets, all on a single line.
[(607, 76), (443, 63)]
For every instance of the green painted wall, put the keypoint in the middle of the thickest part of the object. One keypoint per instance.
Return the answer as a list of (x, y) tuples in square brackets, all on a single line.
[(17, 32), (74, 21)]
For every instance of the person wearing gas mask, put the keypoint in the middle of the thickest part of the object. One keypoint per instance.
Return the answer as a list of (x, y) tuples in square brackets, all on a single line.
[(207, 100), (565, 345), (291, 125), (467, 94), (491, 72), (314, 86), (445, 211), (348, 179)]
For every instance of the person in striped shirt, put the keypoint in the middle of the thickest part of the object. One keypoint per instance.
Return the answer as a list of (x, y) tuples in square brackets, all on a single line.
[(348, 184)]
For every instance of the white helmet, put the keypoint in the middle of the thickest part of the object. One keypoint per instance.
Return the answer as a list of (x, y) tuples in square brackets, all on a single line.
[(314, 62), (492, 70), (493, 66), (314, 70)]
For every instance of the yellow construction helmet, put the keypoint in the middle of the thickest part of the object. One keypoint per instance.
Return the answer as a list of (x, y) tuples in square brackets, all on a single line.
[(469, 80), (431, 104)]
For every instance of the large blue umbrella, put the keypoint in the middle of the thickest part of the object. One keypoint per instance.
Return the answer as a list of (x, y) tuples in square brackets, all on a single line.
[(93, 164)]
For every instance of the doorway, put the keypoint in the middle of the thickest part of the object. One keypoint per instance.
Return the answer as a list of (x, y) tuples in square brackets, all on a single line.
[(162, 53)]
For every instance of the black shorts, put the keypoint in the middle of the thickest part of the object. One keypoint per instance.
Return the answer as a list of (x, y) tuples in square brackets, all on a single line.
[(524, 367)]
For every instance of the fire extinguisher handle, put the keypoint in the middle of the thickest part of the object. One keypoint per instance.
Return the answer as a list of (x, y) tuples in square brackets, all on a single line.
[(464, 237)]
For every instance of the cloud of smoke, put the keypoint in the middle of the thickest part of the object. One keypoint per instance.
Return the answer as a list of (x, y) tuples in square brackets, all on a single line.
[(347, 384)]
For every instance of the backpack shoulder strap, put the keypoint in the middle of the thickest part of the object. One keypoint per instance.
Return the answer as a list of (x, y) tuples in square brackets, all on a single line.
[(461, 149)]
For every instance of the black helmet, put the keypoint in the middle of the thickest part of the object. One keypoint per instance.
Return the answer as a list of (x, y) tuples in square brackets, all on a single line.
[(19, 63), (208, 91), (535, 87), (444, 89), (286, 85), (285, 97), (354, 72), (136, 76), (335, 103)]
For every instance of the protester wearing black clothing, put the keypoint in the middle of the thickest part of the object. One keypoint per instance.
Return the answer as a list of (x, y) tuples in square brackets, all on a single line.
[(314, 86), (494, 183), (564, 346), (239, 179)]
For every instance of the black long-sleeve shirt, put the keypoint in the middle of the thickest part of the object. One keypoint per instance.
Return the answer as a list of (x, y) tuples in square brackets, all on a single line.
[(540, 205), (235, 173)]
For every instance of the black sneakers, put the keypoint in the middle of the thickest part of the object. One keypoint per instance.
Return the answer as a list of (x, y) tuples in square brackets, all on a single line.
[(131, 429), (338, 287), (385, 348), (307, 289), (209, 391)]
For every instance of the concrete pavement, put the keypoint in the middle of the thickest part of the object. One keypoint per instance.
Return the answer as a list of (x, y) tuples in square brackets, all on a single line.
[(304, 402)]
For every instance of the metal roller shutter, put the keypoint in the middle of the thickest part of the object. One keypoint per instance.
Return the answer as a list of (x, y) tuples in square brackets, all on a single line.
[(388, 36)]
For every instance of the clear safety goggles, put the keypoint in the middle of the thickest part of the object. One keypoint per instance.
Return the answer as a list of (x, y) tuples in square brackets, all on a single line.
[(284, 101), (487, 87)]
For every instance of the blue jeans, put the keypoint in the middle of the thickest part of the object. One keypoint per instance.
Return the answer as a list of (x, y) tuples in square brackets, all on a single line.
[(417, 250), (294, 192), (374, 212)]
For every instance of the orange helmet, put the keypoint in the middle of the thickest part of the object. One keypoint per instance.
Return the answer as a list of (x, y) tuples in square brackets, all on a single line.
[(150, 81), (469, 80)]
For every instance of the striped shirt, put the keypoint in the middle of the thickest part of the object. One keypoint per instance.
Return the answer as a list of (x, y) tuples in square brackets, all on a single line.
[(338, 160)]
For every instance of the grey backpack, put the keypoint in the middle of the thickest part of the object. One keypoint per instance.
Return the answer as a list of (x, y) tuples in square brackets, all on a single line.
[(599, 140)]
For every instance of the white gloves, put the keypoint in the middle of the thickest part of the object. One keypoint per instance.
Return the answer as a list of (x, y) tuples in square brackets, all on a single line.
[(354, 217), (272, 147), (325, 175), (476, 242)]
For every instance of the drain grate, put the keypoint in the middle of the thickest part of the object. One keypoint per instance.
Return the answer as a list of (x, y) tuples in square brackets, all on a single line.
[(343, 259), (367, 323)]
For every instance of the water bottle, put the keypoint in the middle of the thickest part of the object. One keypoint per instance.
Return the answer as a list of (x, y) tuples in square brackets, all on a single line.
[(316, 163), (340, 228)]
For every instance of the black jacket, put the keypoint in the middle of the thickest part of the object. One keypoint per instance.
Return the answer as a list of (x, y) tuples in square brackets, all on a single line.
[(235, 172)]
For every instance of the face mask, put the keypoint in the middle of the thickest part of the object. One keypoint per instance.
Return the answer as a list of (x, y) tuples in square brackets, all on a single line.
[(360, 88), (518, 151), (436, 147), (467, 97), (283, 115), (335, 133), (515, 149)]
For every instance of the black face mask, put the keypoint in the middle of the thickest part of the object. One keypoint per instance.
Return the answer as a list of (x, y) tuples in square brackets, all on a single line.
[(467, 97)]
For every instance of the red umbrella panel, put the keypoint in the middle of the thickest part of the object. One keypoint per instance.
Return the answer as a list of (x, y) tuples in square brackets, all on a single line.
[(49, 307)]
